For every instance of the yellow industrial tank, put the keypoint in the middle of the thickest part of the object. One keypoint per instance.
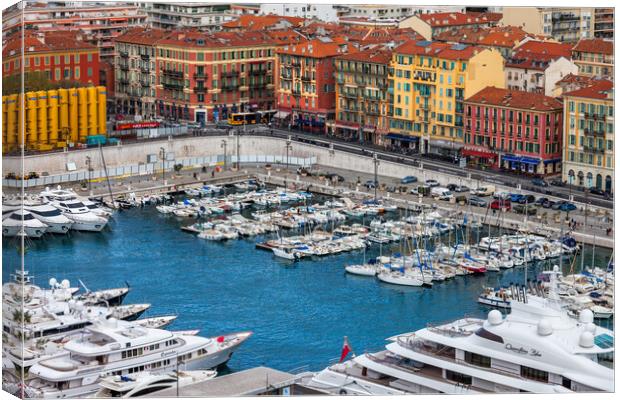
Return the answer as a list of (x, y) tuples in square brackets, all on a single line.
[(63, 101), (11, 120), (20, 105), (31, 118), (42, 117), (4, 129), (73, 115), (82, 114), (53, 112), (93, 120), (102, 110)]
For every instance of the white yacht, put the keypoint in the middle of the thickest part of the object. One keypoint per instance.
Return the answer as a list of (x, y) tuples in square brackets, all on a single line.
[(51, 216), (145, 383), (98, 210), (23, 222), (112, 347), (537, 348), (72, 207)]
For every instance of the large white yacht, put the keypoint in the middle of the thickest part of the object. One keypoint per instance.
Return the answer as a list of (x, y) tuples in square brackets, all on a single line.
[(71, 206), (537, 348), (44, 212), (23, 222), (113, 347)]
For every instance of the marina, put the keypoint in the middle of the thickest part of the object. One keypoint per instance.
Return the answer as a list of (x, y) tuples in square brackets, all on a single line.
[(232, 280)]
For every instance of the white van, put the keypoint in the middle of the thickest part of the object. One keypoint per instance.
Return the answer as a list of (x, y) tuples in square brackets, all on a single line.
[(441, 193), (484, 191)]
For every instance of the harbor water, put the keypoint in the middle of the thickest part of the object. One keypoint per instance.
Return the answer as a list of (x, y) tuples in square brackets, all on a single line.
[(299, 312)]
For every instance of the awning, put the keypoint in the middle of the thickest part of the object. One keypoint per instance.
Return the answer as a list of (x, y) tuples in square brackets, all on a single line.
[(555, 160), (341, 126), (510, 157), (478, 153), (446, 144), (282, 114), (530, 160), (402, 138)]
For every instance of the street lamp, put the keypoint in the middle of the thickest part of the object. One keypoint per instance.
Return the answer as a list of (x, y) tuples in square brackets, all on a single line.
[(375, 160), (90, 170), (162, 152), (223, 145), (288, 147), (238, 133)]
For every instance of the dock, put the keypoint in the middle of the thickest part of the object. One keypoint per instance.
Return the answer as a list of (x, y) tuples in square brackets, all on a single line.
[(250, 382)]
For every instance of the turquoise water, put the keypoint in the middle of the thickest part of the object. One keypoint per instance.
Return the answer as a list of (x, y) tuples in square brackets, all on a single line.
[(298, 312)]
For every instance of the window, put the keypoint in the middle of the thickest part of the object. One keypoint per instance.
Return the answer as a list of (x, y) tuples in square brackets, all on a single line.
[(57, 74), (67, 73), (458, 377), (89, 72), (534, 374), (89, 57), (37, 61), (77, 73), (47, 60), (76, 58)]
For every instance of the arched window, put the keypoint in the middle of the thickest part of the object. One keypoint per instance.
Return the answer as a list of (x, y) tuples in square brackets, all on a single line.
[(608, 182), (580, 178), (589, 179), (599, 181)]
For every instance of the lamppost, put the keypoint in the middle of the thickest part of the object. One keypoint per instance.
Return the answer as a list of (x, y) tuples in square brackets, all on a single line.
[(223, 145), (570, 190), (288, 147), (162, 152), (238, 134), (375, 160), (90, 170)]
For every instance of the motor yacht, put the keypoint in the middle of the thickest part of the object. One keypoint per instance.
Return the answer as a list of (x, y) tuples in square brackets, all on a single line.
[(537, 348), (20, 222), (73, 208), (146, 383), (111, 347), (50, 216)]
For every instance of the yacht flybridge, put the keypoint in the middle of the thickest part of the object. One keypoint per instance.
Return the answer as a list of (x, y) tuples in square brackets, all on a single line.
[(112, 347), (84, 218), (537, 348)]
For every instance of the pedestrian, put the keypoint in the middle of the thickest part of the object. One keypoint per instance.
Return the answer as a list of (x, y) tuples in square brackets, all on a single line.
[(212, 173), (608, 231)]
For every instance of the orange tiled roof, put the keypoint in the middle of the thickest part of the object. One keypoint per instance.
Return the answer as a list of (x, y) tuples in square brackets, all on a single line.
[(504, 36), (197, 39), (599, 90), (316, 48), (515, 99), (598, 46), (376, 56), (438, 49), (535, 54), (459, 19), (260, 22), (39, 42), (144, 36)]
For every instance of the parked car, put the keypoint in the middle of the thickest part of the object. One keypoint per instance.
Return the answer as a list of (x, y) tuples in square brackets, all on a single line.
[(548, 204), (424, 190), (370, 184), (564, 206), (501, 195), (484, 191), (515, 198), (432, 182), (458, 188), (477, 201), (441, 193), (527, 199), (408, 179), (595, 190), (499, 204), (540, 201), (522, 209), (539, 182), (461, 199), (557, 182)]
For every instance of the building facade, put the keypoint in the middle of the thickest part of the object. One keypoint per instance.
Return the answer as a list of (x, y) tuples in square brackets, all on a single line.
[(588, 159), (594, 57), (187, 15), (324, 12), (361, 95), (514, 130), (565, 24), (604, 23), (433, 24), (306, 85), (428, 83), (60, 55)]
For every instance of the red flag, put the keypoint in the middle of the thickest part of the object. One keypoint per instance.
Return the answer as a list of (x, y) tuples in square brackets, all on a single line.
[(345, 349), (220, 339)]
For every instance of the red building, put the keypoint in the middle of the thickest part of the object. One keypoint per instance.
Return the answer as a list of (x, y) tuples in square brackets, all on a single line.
[(60, 55), (306, 85), (514, 130)]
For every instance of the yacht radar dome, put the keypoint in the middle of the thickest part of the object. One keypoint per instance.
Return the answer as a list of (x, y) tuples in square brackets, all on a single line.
[(65, 283), (591, 327), (586, 340), (544, 327), (53, 282), (495, 317), (586, 316)]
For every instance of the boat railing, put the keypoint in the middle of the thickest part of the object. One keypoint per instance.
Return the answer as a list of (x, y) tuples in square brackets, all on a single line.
[(454, 329)]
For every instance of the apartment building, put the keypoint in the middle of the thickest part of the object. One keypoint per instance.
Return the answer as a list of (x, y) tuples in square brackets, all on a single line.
[(514, 130), (431, 25), (428, 82), (594, 57), (262, 22), (60, 55), (362, 96), (306, 85), (175, 15), (101, 22), (588, 154), (564, 24), (323, 12), (604, 23), (537, 66)]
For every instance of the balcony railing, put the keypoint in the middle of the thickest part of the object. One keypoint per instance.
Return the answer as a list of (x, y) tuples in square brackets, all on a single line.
[(594, 116), (258, 71), (200, 89), (123, 54), (306, 78), (173, 74), (172, 86), (145, 57), (229, 74), (124, 67), (200, 75)]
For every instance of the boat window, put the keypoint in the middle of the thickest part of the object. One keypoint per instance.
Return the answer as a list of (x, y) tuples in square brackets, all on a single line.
[(149, 390), (604, 341), (477, 359), (51, 213), (534, 374), (458, 377), (17, 217), (75, 205), (483, 333), (92, 206)]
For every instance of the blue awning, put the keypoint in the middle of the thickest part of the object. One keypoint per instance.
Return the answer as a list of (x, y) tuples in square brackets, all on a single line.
[(555, 160), (402, 138), (510, 157), (530, 160)]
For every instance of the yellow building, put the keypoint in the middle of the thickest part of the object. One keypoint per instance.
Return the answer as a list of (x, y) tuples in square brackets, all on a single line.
[(428, 83), (588, 136)]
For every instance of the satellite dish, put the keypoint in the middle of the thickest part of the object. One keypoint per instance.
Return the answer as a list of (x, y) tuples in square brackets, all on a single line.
[(53, 282), (65, 283)]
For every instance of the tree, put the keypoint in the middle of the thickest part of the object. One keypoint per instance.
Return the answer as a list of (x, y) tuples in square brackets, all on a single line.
[(34, 81)]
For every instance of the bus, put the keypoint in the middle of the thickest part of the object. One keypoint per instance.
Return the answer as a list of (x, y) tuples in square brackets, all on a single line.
[(251, 118)]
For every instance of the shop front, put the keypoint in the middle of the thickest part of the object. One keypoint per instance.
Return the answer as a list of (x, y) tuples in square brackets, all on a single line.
[(522, 164), (480, 158), (446, 148), (397, 141)]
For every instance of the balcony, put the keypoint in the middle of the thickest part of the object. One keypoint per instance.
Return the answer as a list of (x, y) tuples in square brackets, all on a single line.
[(594, 116), (286, 77), (145, 83), (145, 57), (123, 81), (296, 92), (305, 78), (229, 74), (229, 88), (200, 89), (145, 70), (350, 95), (258, 71), (296, 64), (123, 67), (373, 112), (123, 54), (172, 86), (200, 75), (173, 74)]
